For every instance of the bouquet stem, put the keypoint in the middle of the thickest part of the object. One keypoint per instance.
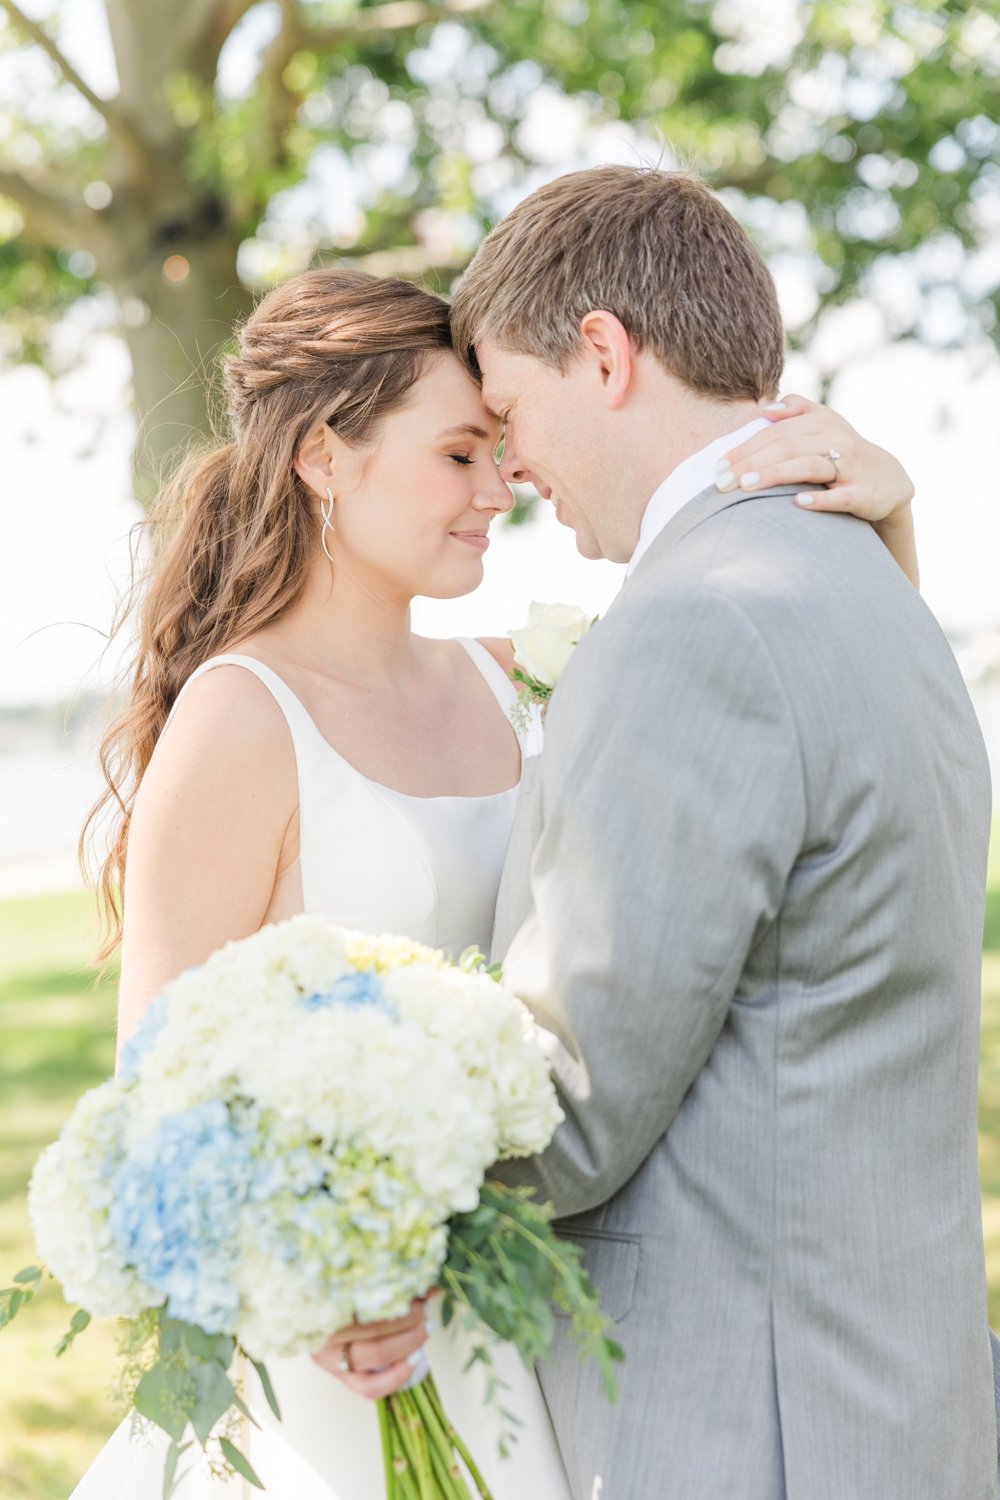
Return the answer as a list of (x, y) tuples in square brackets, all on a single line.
[(421, 1450)]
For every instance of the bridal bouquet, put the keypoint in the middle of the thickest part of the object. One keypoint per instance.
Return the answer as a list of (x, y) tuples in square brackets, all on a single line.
[(298, 1139)]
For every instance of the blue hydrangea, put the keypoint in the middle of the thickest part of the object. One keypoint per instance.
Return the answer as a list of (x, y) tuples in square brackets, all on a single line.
[(277, 1170), (175, 1212), (153, 1020), (352, 990)]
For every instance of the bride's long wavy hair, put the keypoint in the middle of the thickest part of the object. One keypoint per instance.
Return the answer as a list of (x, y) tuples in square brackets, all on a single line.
[(235, 531)]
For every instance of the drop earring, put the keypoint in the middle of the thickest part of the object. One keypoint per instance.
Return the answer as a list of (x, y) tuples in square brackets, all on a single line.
[(326, 511)]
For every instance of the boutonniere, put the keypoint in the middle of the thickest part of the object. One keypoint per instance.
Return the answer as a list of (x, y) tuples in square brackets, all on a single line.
[(541, 650)]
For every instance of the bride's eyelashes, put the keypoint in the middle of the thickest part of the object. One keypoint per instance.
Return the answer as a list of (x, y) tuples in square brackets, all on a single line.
[(461, 458)]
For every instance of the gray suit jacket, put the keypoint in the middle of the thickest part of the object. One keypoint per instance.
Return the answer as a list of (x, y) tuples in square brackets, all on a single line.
[(753, 930)]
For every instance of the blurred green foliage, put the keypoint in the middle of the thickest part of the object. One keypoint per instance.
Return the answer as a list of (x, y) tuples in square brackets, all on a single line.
[(856, 138), (56, 1040)]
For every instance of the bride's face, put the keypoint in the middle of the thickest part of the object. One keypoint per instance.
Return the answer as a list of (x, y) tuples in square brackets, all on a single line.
[(412, 511)]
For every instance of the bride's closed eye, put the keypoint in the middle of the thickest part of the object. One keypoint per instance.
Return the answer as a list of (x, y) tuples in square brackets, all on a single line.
[(461, 458)]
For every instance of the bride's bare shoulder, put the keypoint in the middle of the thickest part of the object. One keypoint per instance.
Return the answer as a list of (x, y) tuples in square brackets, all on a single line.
[(501, 649), (211, 828), (226, 736)]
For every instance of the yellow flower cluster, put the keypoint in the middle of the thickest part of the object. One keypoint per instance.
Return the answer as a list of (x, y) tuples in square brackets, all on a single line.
[(384, 953)]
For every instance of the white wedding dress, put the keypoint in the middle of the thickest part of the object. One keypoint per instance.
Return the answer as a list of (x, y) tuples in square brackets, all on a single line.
[(428, 867)]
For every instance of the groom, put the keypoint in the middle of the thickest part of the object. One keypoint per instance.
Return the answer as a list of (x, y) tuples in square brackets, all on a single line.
[(752, 920)]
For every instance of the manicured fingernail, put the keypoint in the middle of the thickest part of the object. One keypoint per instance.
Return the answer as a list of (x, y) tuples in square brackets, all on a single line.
[(775, 406), (805, 499), (430, 1322), (722, 466), (750, 481), (725, 480)]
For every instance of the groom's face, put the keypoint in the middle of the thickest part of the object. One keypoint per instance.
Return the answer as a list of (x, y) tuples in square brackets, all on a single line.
[(548, 440)]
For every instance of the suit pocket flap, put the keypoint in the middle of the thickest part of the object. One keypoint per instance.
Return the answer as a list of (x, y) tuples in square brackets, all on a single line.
[(612, 1263)]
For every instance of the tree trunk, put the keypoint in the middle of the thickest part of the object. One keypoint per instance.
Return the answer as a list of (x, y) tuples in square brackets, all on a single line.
[(172, 256), (175, 349)]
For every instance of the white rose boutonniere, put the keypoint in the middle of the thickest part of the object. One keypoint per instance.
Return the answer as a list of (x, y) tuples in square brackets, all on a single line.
[(542, 648)]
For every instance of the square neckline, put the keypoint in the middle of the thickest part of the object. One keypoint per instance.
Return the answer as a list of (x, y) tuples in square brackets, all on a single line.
[(481, 659)]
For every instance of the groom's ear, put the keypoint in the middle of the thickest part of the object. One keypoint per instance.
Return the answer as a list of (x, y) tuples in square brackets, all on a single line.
[(607, 343)]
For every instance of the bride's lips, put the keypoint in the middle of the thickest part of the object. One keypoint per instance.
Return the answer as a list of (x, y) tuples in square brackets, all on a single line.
[(477, 539)]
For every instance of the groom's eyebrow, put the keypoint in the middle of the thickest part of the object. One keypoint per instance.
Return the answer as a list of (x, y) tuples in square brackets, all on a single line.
[(464, 429)]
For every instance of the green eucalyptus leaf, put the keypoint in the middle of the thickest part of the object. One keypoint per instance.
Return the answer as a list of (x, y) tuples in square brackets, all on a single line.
[(239, 1463), (80, 1320), (213, 1399), (217, 1346), (173, 1335), (161, 1395), (241, 1406), (267, 1387), (28, 1275)]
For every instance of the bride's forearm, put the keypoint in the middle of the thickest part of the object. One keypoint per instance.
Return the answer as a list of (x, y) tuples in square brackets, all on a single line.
[(898, 534)]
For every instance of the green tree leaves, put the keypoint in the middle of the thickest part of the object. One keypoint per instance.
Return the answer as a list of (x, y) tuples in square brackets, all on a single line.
[(395, 135)]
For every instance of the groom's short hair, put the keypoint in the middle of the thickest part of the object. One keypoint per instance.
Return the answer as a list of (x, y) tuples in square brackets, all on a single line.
[(655, 248)]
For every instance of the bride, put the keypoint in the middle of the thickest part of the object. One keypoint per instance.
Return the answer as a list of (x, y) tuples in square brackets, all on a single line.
[(289, 745)]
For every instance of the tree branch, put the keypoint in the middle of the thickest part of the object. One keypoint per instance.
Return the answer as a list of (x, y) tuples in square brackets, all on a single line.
[(212, 25), (396, 15), (104, 107), (46, 217), (282, 102)]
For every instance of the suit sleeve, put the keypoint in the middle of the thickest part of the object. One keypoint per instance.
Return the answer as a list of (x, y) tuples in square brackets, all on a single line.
[(674, 810)]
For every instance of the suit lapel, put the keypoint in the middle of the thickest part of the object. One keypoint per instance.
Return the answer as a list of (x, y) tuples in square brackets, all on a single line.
[(514, 901)]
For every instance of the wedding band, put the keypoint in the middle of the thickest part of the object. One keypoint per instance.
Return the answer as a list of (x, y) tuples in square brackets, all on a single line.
[(344, 1363), (834, 457)]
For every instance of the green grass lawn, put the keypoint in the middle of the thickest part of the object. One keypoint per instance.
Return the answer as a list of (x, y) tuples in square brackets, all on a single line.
[(55, 1041)]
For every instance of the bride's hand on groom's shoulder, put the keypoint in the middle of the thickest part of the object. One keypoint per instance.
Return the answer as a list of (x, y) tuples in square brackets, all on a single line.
[(376, 1359), (810, 444)]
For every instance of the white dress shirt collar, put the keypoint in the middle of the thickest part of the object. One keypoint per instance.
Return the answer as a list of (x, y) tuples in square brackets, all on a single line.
[(690, 477)]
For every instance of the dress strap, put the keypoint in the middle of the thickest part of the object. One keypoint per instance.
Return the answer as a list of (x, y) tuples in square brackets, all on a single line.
[(295, 713), (500, 684), (527, 725)]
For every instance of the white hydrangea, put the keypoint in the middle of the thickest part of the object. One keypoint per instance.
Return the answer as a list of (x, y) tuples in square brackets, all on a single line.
[(344, 1094), (494, 1037), (68, 1199)]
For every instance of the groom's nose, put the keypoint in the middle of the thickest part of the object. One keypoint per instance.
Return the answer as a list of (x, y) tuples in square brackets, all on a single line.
[(510, 466), (516, 472)]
